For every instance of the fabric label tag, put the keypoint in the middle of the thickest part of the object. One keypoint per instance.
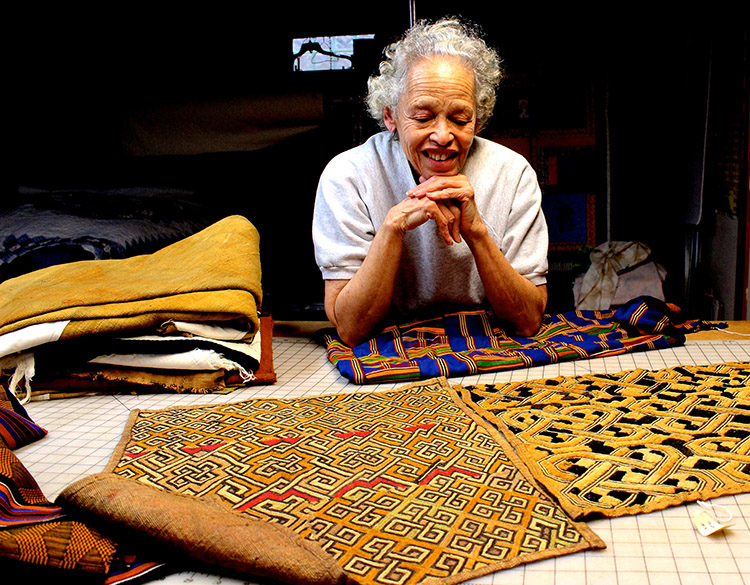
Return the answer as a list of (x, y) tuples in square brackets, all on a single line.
[(706, 523)]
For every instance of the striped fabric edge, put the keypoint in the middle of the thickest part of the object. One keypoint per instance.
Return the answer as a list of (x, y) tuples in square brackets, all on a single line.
[(133, 571), (17, 430), (14, 512)]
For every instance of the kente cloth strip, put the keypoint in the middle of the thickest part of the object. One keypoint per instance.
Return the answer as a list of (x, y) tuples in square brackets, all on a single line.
[(396, 487), (637, 441), (41, 540), (21, 500), (473, 342), (35, 533), (38, 538), (33, 530)]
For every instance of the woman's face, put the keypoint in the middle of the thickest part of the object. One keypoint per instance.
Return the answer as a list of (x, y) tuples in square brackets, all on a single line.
[(436, 119)]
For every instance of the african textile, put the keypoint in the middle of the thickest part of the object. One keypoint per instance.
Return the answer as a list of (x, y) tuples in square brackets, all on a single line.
[(397, 487), (637, 441), (38, 538), (184, 527), (209, 281), (38, 533), (21, 499), (473, 342), (16, 428), (65, 374)]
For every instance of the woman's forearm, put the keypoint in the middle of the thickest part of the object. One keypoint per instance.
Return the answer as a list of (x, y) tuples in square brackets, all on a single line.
[(356, 307), (513, 298)]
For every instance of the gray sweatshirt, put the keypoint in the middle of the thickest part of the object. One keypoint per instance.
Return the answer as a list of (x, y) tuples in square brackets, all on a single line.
[(359, 186)]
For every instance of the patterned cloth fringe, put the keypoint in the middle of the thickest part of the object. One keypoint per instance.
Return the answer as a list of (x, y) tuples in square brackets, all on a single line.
[(473, 342)]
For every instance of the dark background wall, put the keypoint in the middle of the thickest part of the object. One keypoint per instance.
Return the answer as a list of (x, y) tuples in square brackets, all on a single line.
[(661, 165)]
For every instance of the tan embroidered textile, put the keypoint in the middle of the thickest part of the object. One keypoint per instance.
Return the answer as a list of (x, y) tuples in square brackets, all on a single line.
[(632, 442)]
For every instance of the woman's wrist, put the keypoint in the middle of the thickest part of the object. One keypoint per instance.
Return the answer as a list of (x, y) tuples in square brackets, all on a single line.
[(477, 234)]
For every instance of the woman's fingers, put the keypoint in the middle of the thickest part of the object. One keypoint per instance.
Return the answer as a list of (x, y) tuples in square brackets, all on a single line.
[(455, 187), (445, 213), (452, 214), (447, 217)]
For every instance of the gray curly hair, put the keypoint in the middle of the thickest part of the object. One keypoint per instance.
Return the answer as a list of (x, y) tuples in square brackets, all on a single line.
[(448, 37)]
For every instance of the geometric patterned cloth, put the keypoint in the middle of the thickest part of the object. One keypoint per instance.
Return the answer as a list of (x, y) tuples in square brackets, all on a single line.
[(21, 500), (36, 534), (38, 539), (398, 487), (474, 342), (637, 441)]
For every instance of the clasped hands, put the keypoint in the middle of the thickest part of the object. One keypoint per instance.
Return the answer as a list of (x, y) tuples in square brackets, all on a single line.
[(446, 200)]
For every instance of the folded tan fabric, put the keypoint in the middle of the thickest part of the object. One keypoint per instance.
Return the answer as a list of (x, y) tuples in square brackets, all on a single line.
[(83, 379), (200, 529), (213, 275)]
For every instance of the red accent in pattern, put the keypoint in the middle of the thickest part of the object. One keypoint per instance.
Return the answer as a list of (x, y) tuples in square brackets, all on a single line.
[(350, 434), (417, 427), (194, 450), (367, 484), (272, 442)]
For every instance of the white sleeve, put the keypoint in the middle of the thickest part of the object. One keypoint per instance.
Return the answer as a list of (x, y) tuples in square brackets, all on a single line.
[(526, 240), (342, 228)]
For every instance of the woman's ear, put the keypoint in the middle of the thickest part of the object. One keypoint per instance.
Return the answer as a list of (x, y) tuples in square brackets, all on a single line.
[(389, 120)]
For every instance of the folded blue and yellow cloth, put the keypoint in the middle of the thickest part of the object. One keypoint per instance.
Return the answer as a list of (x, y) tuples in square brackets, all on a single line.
[(474, 342)]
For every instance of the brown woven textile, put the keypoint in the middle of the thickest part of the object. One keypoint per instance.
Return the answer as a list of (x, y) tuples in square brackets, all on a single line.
[(202, 530), (213, 275)]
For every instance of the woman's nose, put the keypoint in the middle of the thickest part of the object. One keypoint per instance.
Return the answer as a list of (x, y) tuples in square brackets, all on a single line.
[(441, 133)]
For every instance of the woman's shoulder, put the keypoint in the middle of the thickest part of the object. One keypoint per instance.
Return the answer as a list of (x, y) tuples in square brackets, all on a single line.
[(486, 148), (492, 159), (379, 152), (370, 149)]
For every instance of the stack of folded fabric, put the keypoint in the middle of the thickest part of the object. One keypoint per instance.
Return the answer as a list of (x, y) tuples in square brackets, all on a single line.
[(185, 318)]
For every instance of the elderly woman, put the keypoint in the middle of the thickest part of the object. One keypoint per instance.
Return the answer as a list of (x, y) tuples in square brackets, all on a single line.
[(426, 217)]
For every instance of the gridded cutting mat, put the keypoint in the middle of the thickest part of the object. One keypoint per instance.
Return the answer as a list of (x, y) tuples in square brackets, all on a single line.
[(660, 548)]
